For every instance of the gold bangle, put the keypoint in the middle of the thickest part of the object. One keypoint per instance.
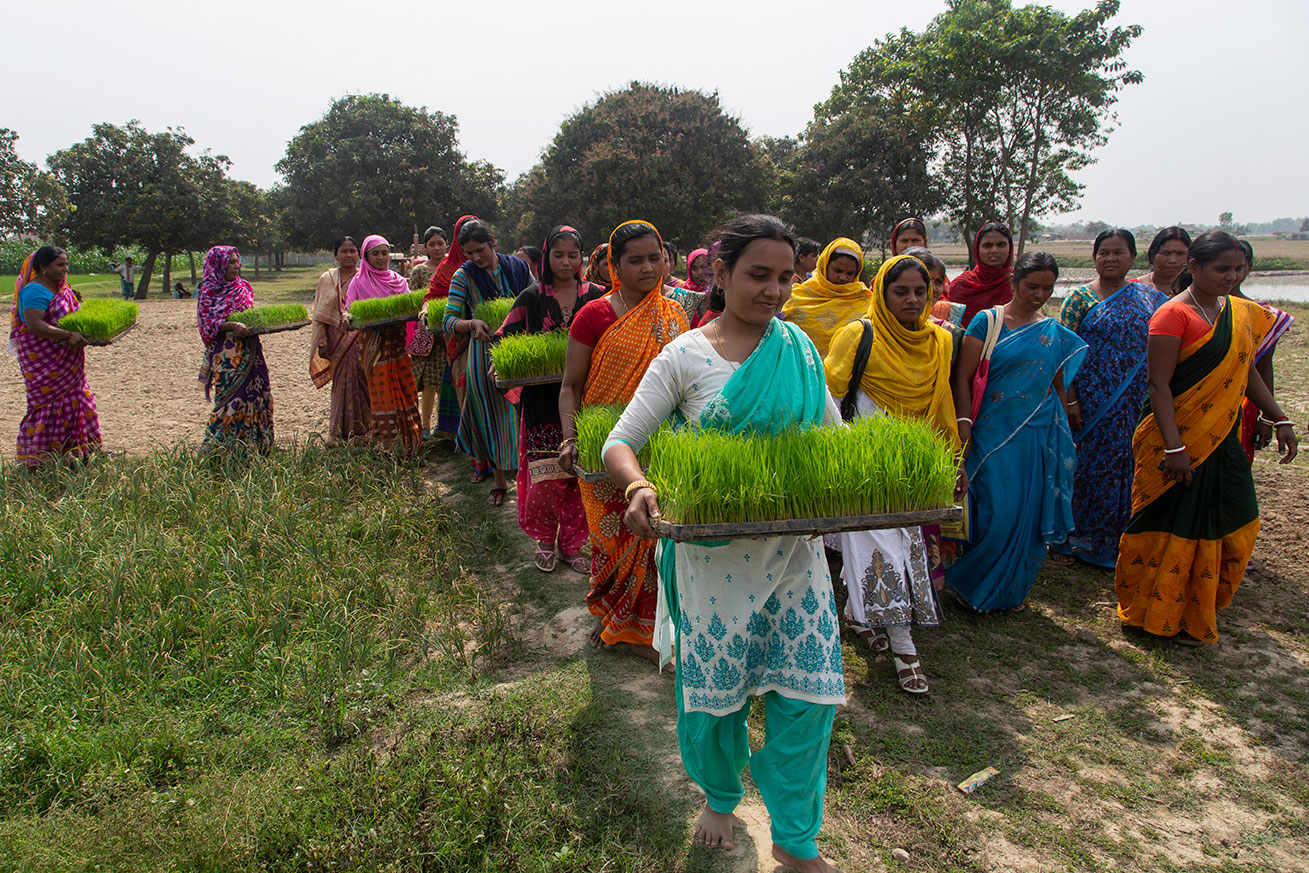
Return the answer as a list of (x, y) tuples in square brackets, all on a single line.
[(571, 441), (638, 485)]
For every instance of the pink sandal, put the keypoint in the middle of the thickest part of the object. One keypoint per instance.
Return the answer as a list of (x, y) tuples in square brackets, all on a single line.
[(579, 563), (544, 558)]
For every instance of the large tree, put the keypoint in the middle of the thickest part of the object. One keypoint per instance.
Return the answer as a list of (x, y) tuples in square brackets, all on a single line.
[(131, 186), (668, 155), (1013, 101), (30, 201), (372, 164)]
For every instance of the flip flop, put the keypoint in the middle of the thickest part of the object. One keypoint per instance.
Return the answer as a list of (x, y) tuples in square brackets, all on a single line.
[(544, 558), (479, 476), (497, 497), (578, 563)]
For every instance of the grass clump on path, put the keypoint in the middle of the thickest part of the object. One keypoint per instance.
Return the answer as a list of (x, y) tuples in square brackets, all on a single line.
[(877, 465), (101, 318), (271, 315), (493, 311), (523, 355), (382, 308)]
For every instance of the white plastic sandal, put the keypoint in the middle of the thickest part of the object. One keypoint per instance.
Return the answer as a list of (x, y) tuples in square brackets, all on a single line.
[(907, 673)]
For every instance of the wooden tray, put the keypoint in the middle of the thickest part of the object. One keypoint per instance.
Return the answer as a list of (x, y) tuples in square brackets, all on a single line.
[(276, 328), (113, 339), (386, 322), (553, 378), (747, 530)]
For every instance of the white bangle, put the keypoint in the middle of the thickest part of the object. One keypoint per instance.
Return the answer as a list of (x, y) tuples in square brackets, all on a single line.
[(1285, 421), (961, 418), (1174, 451)]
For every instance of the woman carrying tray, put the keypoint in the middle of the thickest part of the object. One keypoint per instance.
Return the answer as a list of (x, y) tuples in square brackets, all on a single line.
[(61, 416), (1019, 451), (610, 344), (450, 397), (392, 395), (334, 351), (745, 618), (550, 507), (888, 572), (488, 426), (234, 371)]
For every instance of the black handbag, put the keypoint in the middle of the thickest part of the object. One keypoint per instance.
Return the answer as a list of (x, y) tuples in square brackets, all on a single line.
[(857, 373)]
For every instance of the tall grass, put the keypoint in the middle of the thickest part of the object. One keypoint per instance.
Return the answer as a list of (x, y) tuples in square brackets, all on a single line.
[(101, 318), (521, 355), (271, 314), (877, 465), (382, 308), (494, 311)]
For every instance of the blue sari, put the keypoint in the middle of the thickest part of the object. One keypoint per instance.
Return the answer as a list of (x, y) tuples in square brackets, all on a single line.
[(1021, 466), (1110, 386)]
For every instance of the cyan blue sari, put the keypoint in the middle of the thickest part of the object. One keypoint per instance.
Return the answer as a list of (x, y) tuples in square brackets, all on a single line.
[(1021, 466), (1110, 386)]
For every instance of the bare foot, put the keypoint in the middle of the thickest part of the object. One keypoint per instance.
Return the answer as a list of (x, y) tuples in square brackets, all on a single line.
[(813, 865), (714, 829), (596, 631), (650, 653)]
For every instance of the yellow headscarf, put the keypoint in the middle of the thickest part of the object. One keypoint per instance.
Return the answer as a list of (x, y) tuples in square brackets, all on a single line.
[(820, 308), (908, 370)]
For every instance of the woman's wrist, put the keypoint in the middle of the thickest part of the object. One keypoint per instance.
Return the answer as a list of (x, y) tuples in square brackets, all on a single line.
[(637, 486)]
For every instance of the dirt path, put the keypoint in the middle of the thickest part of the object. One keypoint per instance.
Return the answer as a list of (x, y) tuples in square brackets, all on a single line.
[(146, 387)]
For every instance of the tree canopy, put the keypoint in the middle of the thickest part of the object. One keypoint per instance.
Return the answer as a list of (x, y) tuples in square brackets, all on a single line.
[(668, 155), (372, 164), (130, 186)]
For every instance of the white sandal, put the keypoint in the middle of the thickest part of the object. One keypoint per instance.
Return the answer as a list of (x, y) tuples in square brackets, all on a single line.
[(907, 673)]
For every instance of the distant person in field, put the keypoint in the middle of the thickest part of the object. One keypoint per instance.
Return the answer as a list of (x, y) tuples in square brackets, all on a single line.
[(234, 374), (1257, 431), (334, 351), (550, 507), (127, 275), (488, 424), (907, 234), (427, 348), (180, 292), (392, 395), (744, 618), (990, 282), (1167, 256), (597, 266), (61, 414), (833, 296), (806, 258), (1112, 316), (531, 256)]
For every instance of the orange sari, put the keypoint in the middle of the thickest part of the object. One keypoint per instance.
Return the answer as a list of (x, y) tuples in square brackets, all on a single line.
[(624, 587)]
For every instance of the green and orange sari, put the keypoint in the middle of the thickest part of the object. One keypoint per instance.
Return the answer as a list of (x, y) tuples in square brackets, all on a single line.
[(1186, 547)]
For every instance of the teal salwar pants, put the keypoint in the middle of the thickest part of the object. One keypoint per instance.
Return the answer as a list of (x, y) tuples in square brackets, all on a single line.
[(790, 769)]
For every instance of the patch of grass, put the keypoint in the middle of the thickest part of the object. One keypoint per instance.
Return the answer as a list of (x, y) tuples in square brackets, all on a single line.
[(494, 311), (382, 308), (521, 355), (101, 319), (271, 314), (877, 465)]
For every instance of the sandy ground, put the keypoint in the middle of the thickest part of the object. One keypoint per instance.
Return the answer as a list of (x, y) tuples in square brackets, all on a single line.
[(146, 387)]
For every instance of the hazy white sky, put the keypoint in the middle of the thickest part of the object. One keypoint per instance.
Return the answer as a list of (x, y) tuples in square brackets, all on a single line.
[(1220, 122)]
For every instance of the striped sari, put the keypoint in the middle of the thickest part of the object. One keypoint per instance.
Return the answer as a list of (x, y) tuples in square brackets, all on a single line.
[(624, 588), (1186, 548)]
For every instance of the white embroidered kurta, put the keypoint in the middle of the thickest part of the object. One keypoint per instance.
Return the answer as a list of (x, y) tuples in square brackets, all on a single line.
[(756, 615)]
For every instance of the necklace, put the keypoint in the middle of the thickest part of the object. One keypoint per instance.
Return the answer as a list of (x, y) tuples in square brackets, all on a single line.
[(716, 341), (1205, 315)]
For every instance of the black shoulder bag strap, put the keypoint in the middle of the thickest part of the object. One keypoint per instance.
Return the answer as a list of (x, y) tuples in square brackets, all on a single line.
[(857, 374)]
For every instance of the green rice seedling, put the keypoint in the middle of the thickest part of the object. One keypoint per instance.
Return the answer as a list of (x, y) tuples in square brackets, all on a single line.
[(271, 315), (383, 308), (878, 465), (593, 426), (523, 355), (494, 311), (101, 319)]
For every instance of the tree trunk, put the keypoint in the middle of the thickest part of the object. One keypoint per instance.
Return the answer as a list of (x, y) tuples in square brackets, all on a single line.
[(256, 265), (143, 286), (194, 281), (168, 273), (1029, 192), (279, 261)]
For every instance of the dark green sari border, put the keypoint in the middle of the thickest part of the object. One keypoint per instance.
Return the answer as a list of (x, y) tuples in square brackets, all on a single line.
[(1206, 359)]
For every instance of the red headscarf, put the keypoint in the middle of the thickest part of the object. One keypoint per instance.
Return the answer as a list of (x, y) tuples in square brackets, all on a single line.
[(900, 227), (454, 259), (983, 287), (689, 284)]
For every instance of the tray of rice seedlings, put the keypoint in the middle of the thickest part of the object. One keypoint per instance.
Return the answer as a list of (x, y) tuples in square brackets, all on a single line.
[(529, 359), (385, 311), (594, 424), (881, 472), (494, 311), (272, 318), (102, 320)]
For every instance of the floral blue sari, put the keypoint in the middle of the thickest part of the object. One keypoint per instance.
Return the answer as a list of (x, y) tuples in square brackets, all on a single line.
[(1021, 466), (1110, 387)]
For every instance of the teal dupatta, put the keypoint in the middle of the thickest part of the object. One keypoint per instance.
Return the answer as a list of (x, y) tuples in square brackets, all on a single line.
[(780, 385)]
